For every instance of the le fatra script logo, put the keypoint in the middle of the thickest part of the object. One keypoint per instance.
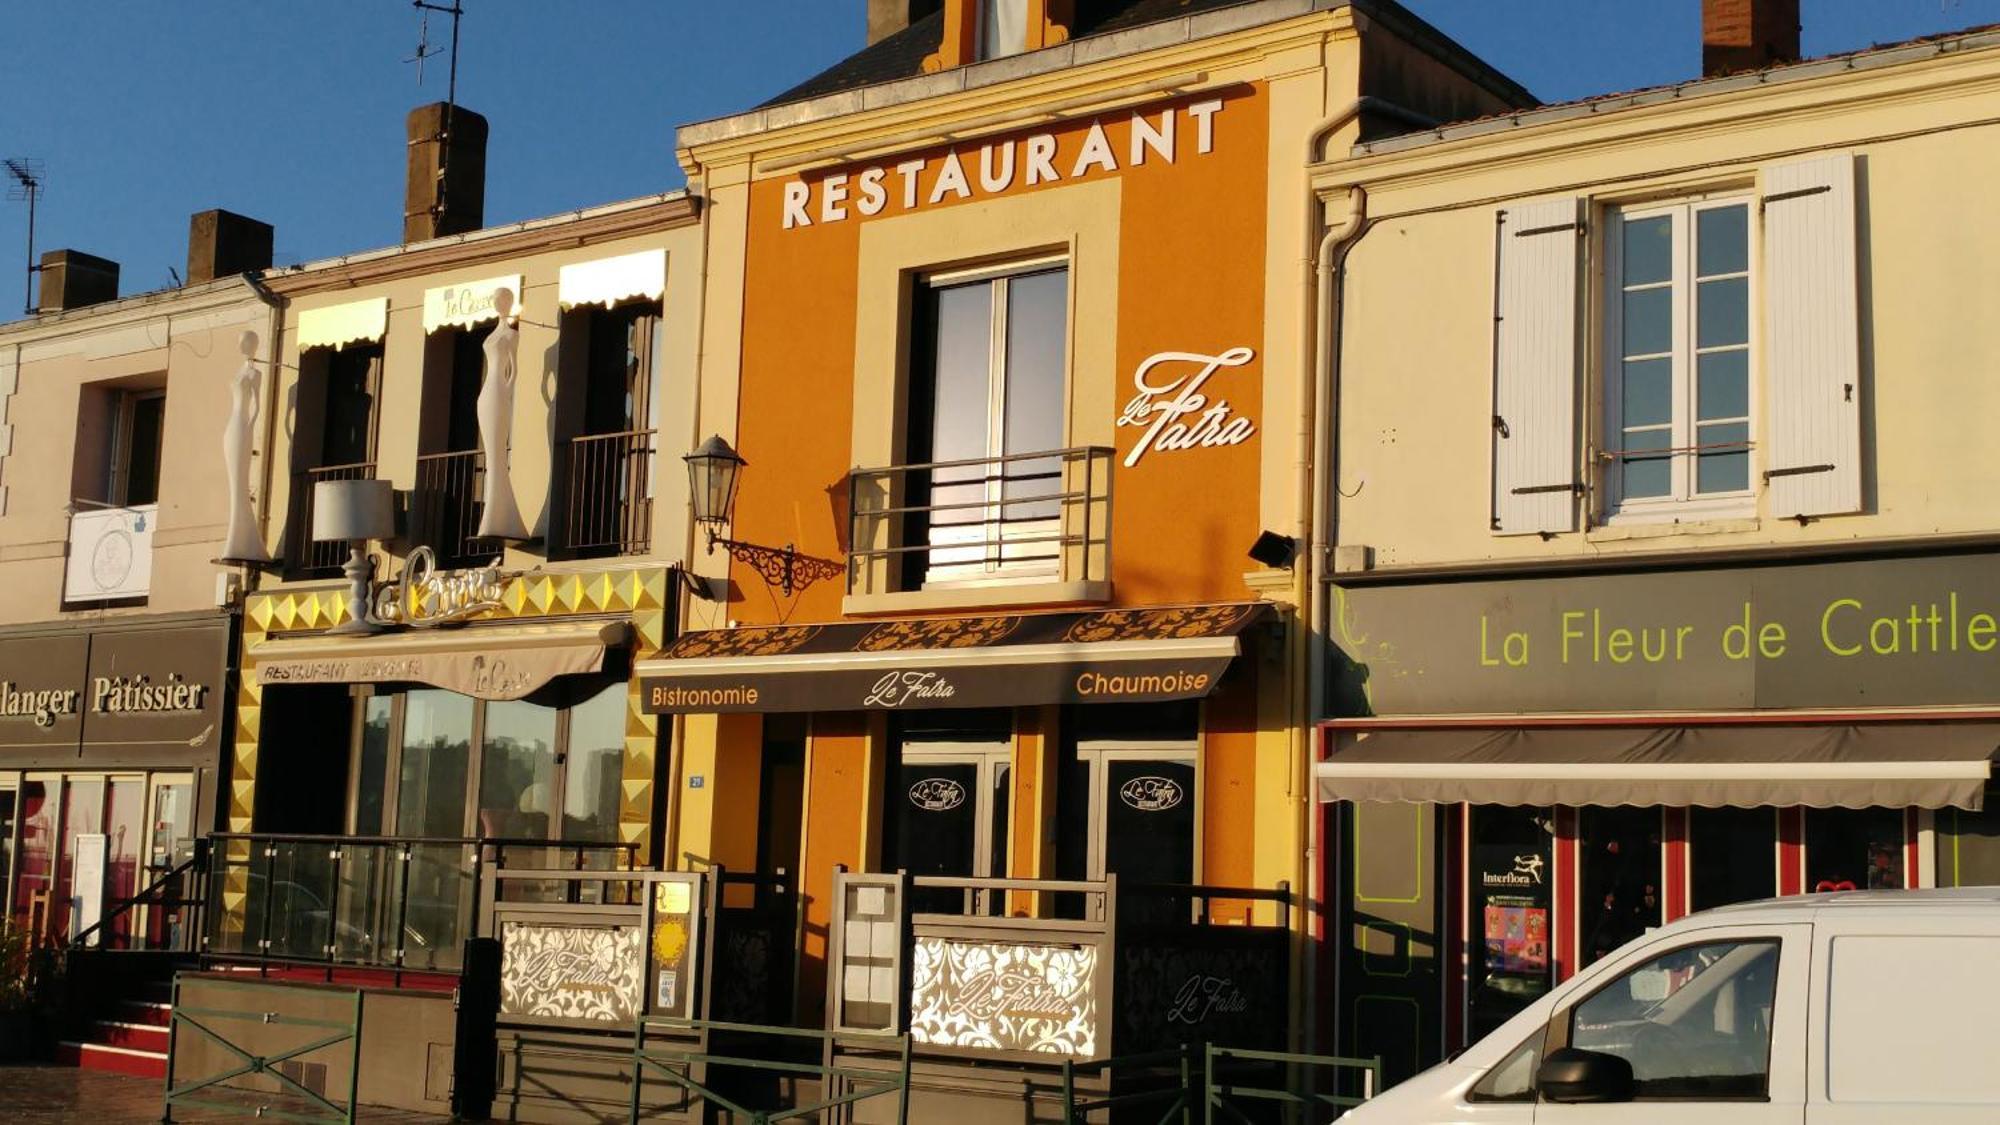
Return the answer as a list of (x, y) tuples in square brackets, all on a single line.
[(1170, 405)]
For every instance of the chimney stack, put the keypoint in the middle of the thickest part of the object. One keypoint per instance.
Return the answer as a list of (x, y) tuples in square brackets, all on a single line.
[(224, 243), (445, 190), (1742, 35), (887, 17), (72, 279)]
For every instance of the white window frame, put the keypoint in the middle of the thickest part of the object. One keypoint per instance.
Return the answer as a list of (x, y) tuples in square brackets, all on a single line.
[(1682, 503), (125, 407)]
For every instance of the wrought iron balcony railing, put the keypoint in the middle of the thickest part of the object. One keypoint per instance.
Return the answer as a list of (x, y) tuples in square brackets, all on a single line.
[(445, 508), (1042, 516), (303, 557), (608, 508)]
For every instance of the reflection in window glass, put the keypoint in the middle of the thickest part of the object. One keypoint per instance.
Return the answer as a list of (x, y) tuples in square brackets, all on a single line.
[(32, 883), (1619, 851), (437, 747), (1694, 1022), (1732, 856), (596, 761), (517, 771), (1969, 850), (1854, 849), (1514, 1079), (1510, 964), (371, 786)]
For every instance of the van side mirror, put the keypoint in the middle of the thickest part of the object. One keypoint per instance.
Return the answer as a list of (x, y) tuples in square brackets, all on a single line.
[(1573, 1075)]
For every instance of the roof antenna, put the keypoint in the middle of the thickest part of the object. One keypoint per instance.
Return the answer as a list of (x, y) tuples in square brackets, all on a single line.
[(424, 51), (28, 178)]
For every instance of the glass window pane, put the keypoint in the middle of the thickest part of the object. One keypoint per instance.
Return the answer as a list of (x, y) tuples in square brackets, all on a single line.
[(1694, 1022), (1732, 856), (1511, 964), (1722, 240), (964, 363), (1647, 397), (1619, 850), (372, 783), (1723, 312), (517, 771), (1722, 385), (1004, 28), (1649, 322), (1037, 322), (437, 749), (1649, 250), (1647, 476), (593, 766), (1854, 849), (1723, 472)]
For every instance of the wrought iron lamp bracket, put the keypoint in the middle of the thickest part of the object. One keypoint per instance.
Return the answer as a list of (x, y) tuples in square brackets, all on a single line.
[(785, 568)]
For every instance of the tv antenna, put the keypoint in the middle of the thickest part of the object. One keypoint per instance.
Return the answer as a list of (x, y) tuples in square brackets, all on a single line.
[(425, 50), (28, 178)]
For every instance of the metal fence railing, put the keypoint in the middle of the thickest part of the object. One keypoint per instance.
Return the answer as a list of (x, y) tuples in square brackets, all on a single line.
[(445, 508), (305, 558), (609, 507)]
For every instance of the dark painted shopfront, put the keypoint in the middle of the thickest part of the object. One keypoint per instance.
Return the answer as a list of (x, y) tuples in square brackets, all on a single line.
[(109, 742), (1525, 773)]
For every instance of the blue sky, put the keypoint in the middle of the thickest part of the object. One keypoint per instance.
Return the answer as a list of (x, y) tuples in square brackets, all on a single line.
[(146, 112)]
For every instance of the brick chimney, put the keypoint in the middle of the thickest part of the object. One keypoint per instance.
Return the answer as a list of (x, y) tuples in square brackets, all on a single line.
[(72, 279), (1741, 35), (223, 243), (445, 190), (887, 17)]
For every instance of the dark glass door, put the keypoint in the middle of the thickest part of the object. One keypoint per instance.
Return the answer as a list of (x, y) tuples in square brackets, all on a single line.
[(1732, 856), (934, 828), (1508, 868), (1148, 811)]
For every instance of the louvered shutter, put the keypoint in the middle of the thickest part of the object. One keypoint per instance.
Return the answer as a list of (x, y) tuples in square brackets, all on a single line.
[(1812, 355), (1534, 368)]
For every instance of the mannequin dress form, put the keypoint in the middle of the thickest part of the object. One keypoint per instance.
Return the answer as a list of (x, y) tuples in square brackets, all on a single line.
[(500, 516), (242, 543)]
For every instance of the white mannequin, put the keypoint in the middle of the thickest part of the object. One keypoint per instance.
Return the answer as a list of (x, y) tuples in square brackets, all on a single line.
[(243, 543), (500, 517)]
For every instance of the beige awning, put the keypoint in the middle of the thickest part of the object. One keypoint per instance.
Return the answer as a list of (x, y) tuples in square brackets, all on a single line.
[(489, 662), (607, 281), (336, 326), (1839, 765)]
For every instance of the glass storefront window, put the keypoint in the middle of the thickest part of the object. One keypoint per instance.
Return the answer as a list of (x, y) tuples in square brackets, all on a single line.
[(437, 745), (1732, 856), (83, 815), (517, 771), (1509, 871), (125, 828), (593, 766), (9, 803), (1969, 845), (1619, 857), (34, 881), (1854, 849), (371, 788)]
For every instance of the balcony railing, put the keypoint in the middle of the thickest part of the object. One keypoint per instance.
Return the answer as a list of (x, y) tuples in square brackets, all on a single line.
[(445, 508), (372, 901), (1025, 516), (304, 557), (609, 507)]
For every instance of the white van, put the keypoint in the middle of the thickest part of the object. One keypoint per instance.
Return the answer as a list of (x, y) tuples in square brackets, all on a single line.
[(1864, 1006)]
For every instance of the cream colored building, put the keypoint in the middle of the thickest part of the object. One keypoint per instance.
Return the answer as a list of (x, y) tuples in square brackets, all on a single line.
[(1660, 514)]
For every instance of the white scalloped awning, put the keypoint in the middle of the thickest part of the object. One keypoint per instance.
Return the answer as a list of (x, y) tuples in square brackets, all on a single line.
[(608, 281), (336, 326), (468, 302)]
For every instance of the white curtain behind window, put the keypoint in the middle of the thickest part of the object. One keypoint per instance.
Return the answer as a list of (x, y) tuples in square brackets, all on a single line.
[(1003, 28)]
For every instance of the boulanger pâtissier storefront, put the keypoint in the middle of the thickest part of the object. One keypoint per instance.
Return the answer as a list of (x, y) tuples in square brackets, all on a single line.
[(1532, 771), (110, 736)]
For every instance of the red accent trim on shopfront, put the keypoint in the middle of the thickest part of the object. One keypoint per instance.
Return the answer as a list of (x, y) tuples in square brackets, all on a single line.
[(1674, 857), (1565, 873), (1912, 849), (1455, 907), (1791, 850), (1661, 719)]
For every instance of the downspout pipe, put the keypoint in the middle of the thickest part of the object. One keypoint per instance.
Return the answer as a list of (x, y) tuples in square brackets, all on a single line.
[(254, 281)]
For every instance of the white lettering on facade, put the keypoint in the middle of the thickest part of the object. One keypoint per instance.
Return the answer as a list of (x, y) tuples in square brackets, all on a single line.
[(1163, 407), (898, 688)]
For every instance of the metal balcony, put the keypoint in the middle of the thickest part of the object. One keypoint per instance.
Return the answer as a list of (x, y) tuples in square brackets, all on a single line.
[(445, 508), (608, 502), (305, 558)]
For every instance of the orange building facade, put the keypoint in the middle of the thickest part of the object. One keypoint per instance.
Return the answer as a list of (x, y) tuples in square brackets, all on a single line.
[(1014, 356)]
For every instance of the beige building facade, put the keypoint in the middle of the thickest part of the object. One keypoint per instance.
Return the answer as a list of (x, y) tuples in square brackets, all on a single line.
[(1659, 520)]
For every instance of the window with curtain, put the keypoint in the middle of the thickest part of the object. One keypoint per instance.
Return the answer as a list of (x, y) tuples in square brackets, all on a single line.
[(1003, 28)]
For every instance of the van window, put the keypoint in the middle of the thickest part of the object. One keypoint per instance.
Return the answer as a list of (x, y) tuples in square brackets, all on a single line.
[(1514, 1079), (1890, 1002), (1694, 1022)]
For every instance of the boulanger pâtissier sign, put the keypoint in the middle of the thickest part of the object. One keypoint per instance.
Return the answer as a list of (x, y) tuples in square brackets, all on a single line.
[(1875, 633), (112, 690)]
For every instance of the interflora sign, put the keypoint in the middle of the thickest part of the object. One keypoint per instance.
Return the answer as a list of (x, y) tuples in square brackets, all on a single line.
[(1893, 632)]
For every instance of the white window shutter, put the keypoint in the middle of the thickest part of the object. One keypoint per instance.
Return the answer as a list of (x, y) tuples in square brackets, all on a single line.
[(1812, 355), (1535, 480)]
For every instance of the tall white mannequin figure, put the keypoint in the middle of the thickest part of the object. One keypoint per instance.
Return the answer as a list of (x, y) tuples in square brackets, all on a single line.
[(500, 517), (246, 390)]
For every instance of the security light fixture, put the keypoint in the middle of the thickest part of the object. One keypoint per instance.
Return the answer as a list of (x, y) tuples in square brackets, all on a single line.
[(1274, 550)]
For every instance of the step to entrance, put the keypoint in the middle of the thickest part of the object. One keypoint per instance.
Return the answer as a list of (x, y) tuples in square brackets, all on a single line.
[(138, 1036), (117, 1060)]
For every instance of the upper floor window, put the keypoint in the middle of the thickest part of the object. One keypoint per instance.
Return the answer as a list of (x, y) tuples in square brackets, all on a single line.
[(987, 391), (137, 439), (1681, 434), (334, 439), (1003, 28), (1678, 357), (604, 430)]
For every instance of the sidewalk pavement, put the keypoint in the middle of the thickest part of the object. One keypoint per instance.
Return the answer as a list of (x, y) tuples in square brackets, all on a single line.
[(34, 1095)]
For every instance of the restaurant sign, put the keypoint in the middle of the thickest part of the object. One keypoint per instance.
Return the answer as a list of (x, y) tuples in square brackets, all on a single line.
[(1870, 633), (1004, 996)]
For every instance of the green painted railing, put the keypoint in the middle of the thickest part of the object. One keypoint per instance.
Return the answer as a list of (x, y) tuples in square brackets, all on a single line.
[(199, 1020), (1175, 1101), (1219, 1093), (860, 1084)]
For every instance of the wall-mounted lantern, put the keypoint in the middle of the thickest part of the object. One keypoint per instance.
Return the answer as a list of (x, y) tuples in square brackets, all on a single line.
[(714, 471)]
